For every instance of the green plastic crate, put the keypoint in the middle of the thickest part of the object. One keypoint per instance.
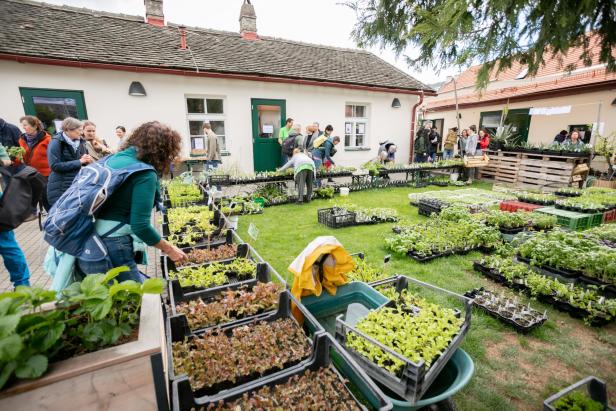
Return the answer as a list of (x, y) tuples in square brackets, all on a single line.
[(595, 220), (569, 219)]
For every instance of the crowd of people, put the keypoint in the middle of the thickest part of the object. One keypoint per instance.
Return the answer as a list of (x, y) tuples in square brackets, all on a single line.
[(571, 139), (469, 142), (123, 221)]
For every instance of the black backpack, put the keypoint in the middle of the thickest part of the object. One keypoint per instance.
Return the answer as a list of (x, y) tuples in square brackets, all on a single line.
[(289, 145), (22, 192)]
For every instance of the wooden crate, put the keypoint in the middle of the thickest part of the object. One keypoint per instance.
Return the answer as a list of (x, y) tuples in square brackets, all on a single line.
[(125, 377), (502, 168)]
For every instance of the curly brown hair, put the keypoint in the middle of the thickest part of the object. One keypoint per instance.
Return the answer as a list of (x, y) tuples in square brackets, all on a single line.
[(157, 144), (34, 122)]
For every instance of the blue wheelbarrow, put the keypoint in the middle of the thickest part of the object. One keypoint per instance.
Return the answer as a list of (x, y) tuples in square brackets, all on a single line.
[(454, 376)]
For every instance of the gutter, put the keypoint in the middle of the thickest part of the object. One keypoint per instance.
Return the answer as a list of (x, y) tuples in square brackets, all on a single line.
[(183, 72), (412, 137)]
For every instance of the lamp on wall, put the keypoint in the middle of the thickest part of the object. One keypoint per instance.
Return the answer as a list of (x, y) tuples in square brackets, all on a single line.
[(136, 89), (396, 103), (614, 102)]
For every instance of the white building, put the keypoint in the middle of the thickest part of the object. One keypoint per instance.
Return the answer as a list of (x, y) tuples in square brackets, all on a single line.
[(60, 61)]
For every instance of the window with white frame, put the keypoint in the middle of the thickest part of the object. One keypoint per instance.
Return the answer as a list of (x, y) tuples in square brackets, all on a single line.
[(355, 125), (200, 110)]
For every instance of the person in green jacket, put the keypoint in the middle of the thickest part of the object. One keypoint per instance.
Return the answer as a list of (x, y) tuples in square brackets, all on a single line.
[(282, 136), (422, 143), (157, 145)]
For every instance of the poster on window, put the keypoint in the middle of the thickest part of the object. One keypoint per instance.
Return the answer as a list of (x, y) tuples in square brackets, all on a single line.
[(198, 144), (268, 128), (348, 128), (361, 128)]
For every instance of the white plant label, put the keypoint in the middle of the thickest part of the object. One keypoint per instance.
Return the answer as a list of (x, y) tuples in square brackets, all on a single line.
[(253, 231)]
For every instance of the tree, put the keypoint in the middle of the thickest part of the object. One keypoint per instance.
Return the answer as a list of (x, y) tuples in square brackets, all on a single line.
[(495, 33)]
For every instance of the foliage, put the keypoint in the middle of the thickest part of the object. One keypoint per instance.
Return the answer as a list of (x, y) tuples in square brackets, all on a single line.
[(538, 285), (181, 193), (230, 305), (606, 146), (272, 193), (447, 33), (504, 219), (214, 274), (181, 218), (366, 214), (571, 251), (415, 328), (16, 153), (314, 390), (537, 198), (256, 348), (590, 200), (366, 272), (89, 315), (604, 233), (206, 255), (577, 401), (324, 192)]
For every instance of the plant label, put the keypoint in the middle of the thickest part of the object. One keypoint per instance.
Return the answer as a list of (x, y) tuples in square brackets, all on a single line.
[(253, 232)]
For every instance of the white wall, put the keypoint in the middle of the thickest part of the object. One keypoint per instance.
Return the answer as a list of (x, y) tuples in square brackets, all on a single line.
[(108, 105)]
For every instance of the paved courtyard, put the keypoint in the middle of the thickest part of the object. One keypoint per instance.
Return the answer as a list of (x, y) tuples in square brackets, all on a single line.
[(34, 246)]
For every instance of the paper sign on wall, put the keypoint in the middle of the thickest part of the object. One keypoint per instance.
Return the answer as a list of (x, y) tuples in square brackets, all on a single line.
[(253, 232), (198, 142), (361, 128), (268, 128), (348, 128)]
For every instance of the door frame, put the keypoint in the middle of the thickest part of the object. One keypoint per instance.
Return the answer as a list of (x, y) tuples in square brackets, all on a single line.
[(28, 92), (254, 102)]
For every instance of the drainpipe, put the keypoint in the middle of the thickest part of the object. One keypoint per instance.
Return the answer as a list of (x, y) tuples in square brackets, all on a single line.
[(413, 115)]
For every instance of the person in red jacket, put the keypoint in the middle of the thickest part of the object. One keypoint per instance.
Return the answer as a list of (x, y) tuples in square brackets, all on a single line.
[(483, 141), (35, 141)]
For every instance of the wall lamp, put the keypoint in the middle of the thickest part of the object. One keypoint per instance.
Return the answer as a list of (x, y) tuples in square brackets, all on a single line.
[(396, 103), (136, 89)]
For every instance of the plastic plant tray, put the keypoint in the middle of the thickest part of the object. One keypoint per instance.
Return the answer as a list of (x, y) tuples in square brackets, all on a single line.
[(521, 328), (414, 379), (570, 219), (327, 353), (184, 398), (513, 206), (183, 293), (167, 265), (595, 388), (327, 217), (179, 323), (552, 270)]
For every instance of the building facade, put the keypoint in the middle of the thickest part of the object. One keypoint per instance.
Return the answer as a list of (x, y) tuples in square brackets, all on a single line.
[(129, 71)]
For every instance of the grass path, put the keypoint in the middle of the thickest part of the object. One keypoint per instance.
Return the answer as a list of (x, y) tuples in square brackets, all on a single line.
[(512, 371)]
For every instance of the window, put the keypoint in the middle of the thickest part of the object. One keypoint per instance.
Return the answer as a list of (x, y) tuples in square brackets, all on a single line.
[(356, 125), (200, 110), (53, 106), (585, 131)]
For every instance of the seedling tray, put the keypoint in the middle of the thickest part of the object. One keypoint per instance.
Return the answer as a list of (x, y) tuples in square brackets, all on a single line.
[(183, 293), (596, 389), (179, 323), (414, 379), (185, 398), (558, 271), (513, 206), (327, 353), (219, 180), (519, 327), (606, 289), (215, 220), (569, 219), (511, 231), (327, 217), (167, 265)]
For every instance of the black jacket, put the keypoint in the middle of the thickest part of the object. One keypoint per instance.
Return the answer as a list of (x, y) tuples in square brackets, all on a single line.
[(64, 163), (9, 134)]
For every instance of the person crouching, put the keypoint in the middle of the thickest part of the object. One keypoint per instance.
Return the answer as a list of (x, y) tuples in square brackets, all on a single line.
[(304, 171)]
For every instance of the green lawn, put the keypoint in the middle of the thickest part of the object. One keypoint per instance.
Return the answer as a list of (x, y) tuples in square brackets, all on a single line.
[(512, 371)]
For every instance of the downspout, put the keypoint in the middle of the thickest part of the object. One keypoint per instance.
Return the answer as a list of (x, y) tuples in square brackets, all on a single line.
[(413, 115)]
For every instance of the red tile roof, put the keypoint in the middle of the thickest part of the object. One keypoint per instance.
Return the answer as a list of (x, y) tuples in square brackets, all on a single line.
[(552, 76)]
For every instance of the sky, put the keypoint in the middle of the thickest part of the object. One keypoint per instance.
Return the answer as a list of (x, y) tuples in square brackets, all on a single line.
[(324, 22)]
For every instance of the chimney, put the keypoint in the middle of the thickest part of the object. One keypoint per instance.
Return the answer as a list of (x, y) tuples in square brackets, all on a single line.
[(154, 12), (182, 31), (248, 22)]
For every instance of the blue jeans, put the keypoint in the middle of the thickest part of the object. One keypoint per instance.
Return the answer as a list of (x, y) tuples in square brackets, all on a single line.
[(447, 153), (420, 158), (14, 259), (120, 252), (318, 162), (212, 164)]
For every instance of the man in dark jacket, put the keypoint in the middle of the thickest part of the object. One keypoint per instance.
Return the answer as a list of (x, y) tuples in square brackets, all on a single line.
[(561, 137), (422, 143), (9, 134), (435, 143)]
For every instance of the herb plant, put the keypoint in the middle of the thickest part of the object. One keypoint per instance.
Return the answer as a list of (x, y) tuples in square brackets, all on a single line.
[(214, 274), (578, 401), (366, 272), (206, 255)]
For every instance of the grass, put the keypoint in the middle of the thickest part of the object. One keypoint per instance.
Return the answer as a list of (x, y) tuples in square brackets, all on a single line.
[(512, 372)]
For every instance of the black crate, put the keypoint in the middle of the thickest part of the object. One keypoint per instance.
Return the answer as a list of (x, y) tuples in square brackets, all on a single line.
[(219, 179), (595, 388), (327, 217), (327, 353), (179, 323), (216, 220), (184, 398), (167, 265), (415, 379)]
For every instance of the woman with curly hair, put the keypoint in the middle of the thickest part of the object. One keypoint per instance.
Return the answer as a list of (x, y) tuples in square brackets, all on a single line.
[(156, 145)]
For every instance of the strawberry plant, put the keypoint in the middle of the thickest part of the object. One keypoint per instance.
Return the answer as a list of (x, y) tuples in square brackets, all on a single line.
[(234, 357), (314, 390), (230, 305), (89, 315), (415, 328), (206, 255), (214, 274), (578, 401)]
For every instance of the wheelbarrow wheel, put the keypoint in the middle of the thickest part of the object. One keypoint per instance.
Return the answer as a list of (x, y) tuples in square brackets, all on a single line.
[(445, 405)]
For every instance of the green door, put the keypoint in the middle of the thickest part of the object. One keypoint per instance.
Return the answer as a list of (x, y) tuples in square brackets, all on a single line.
[(520, 124), (53, 106), (268, 116)]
